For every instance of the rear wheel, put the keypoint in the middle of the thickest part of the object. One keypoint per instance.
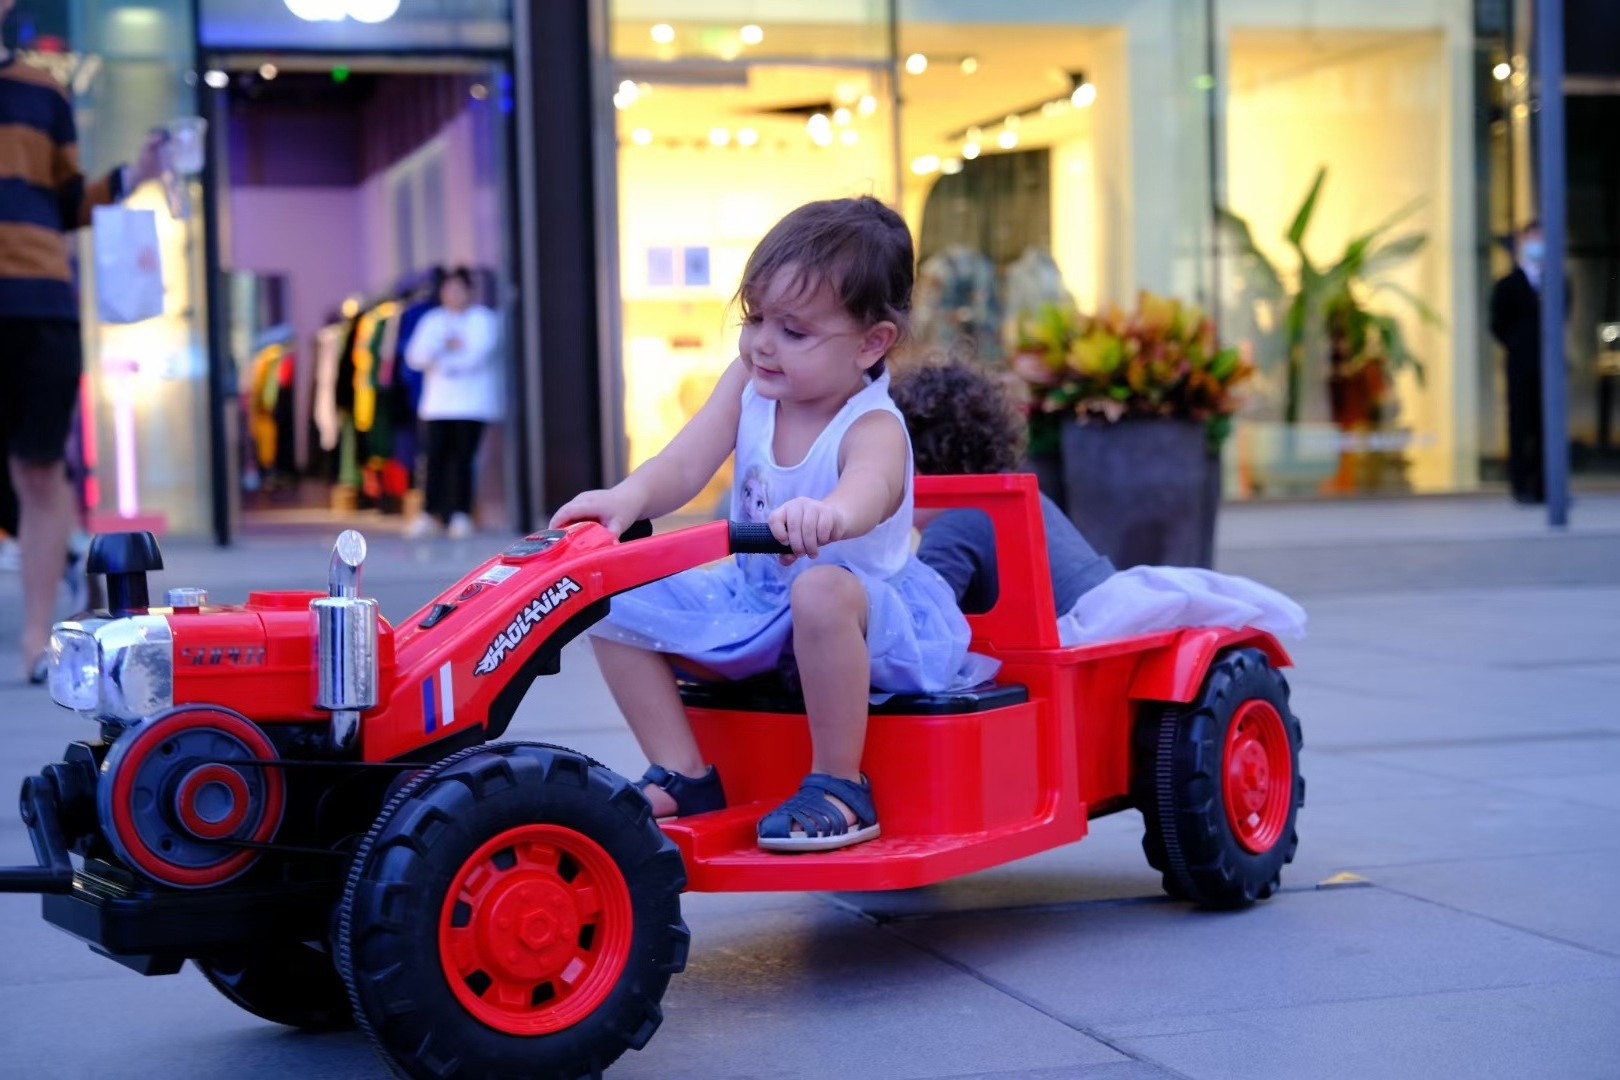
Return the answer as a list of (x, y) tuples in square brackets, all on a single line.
[(1219, 787), (514, 911), (294, 984)]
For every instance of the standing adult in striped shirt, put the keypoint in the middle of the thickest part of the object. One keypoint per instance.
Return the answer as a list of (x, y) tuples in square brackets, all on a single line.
[(43, 197)]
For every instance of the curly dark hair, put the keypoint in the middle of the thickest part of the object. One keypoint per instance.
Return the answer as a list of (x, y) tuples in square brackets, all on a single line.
[(960, 420)]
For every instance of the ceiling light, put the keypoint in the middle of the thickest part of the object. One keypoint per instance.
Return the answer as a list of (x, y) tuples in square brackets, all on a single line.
[(719, 137), (1012, 121), (268, 72), (747, 136), (841, 117), (1084, 95), (867, 106), (970, 150), (318, 10), (818, 122), (372, 11), (916, 63), (970, 64), (1502, 71), (821, 137), (849, 137), (217, 79), (1007, 139), (663, 33), (641, 136), (478, 91), (751, 34), (951, 166), (928, 163)]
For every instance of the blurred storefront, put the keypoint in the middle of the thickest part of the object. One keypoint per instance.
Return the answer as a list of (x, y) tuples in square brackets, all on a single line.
[(352, 147), (609, 164), (1119, 145)]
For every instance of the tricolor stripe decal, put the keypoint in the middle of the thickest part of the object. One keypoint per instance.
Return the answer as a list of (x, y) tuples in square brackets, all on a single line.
[(438, 700)]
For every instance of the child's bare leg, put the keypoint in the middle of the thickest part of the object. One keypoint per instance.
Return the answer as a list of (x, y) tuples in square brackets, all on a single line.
[(829, 644), (643, 686)]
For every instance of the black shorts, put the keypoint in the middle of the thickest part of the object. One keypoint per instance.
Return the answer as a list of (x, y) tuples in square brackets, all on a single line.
[(40, 364)]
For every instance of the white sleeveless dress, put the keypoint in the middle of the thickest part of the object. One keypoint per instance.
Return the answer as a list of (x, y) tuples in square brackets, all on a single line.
[(734, 618)]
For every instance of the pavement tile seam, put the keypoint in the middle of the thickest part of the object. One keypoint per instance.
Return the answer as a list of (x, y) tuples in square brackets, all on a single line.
[(1402, 746), (1462, 781), (1316, 1003), (1028, 1001), (1504, 923), (1359, 867)]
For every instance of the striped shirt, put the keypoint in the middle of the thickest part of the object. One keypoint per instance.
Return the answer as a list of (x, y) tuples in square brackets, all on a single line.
[(43, 194)]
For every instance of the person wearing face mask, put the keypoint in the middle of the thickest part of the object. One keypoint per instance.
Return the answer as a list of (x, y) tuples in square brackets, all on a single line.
[(1515, 312)]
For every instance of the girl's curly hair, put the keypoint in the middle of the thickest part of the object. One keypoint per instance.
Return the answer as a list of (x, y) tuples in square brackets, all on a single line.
[(960, 420)]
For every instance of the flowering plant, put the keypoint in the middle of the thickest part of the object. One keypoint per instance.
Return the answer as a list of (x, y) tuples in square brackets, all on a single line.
[(1160, 360)]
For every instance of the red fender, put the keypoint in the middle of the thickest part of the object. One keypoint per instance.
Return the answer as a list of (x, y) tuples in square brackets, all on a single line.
[(1174, 671)]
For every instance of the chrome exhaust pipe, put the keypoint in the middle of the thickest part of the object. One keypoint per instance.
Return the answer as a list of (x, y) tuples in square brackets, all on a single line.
[(346, 662)]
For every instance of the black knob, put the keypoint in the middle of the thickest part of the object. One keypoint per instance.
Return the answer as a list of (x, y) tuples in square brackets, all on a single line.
[(126, 558)]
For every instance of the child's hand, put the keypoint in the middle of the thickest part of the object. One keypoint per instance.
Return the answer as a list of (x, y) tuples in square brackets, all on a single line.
[(806, 525), (610, 507)]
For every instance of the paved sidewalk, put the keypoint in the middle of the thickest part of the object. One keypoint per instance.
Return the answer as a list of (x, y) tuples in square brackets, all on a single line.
[(1460, 692)]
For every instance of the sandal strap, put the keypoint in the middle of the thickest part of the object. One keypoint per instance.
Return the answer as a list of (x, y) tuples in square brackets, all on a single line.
[(692, 795), (815, 814)]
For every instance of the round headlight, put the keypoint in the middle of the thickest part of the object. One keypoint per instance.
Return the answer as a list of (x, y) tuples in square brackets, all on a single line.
[(75, 669)]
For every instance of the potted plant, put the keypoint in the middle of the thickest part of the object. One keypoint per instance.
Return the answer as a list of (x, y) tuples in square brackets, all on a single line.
[(1139, 403), (1333, 328)]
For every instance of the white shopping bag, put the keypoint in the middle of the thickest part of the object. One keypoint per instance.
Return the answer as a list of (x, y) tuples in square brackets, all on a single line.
[(129, 273)]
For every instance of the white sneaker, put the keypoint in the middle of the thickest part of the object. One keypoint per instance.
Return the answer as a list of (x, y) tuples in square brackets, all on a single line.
[(461, 527), (422, 527)]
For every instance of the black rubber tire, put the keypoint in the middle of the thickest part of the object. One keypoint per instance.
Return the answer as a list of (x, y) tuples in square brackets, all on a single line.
[(296, 985), (388, 945), (1177, 785)]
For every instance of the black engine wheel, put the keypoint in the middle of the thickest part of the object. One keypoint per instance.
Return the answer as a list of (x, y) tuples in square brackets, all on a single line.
[(294, 984), (1218, 784), (515, 910)]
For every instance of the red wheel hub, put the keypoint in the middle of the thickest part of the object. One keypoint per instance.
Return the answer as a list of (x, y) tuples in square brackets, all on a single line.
[(212, 802), (1258, 776), (535, 929)]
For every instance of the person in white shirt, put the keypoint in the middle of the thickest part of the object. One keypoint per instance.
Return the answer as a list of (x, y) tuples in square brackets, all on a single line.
[(454, 347)]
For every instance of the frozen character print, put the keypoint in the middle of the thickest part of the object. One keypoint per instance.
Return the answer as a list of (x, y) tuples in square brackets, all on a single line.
[(756, 496)]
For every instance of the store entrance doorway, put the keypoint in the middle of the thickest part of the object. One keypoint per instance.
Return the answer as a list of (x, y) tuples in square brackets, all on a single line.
[(346, 189)]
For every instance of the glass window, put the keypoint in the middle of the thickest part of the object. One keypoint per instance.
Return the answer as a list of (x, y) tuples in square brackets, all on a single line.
[(723, 31), (1370, 384), (146, 434), (708, 161)]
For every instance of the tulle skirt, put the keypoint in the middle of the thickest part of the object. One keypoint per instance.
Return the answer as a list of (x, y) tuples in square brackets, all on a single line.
[(739, 625)]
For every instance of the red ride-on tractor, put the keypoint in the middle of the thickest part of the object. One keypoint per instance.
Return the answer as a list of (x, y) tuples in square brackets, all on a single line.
[(303, 800)]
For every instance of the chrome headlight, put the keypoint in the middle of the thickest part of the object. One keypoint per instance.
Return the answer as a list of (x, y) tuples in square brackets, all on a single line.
[(75, 668), (114, 669)]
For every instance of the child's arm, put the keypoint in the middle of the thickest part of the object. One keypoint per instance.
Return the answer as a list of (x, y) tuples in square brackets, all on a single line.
[(871, 486), (669, 480)]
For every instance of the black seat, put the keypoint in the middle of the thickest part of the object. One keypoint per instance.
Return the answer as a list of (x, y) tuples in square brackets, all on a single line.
[(769, 694)]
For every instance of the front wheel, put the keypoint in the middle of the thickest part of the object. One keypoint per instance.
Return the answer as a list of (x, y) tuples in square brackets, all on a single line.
[(292, 984), (514, 911), (1219, 787)]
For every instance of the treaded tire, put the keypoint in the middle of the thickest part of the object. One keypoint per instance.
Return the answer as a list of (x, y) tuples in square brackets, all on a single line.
[(1180, 787), (296, 985), (389, 928)]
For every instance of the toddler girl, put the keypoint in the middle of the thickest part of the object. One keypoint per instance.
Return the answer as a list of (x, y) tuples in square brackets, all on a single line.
[(822, 456)]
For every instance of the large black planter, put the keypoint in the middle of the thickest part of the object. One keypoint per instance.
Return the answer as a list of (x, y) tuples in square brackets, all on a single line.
[(1144, 492)]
